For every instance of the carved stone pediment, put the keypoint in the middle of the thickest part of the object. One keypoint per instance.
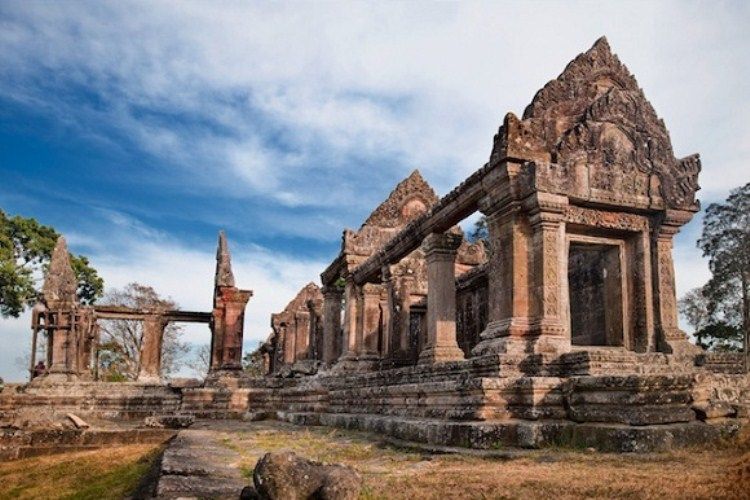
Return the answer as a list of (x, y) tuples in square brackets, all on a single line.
[(409, 199), (595, 115), (298, 305)]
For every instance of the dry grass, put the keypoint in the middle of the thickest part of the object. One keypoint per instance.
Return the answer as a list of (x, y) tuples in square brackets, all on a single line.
[(719, 472), (107, 473)]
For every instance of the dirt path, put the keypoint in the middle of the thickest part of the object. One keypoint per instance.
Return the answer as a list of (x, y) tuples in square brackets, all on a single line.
[(393, 473)]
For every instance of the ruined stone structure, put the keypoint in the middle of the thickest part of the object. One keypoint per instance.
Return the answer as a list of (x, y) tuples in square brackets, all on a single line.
[(297, 331), (562, 330), (72, 332), (385, 321)]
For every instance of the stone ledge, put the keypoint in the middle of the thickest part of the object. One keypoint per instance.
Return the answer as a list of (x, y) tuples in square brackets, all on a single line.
[(525, 434), (18, 444)]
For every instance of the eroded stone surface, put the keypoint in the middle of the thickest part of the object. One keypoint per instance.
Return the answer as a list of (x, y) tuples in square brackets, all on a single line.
[(285, 475)]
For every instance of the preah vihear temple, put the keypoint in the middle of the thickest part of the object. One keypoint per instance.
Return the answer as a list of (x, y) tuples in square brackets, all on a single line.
[(561, 327)]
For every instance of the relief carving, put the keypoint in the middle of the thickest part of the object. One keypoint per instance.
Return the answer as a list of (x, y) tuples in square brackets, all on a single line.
[(595, 115), (606, 220)]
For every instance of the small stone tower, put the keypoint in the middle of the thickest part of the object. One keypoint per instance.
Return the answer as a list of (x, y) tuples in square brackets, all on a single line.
[(228, 313)]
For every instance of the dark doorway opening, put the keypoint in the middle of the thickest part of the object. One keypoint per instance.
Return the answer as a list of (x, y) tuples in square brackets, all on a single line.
[(596, 303)]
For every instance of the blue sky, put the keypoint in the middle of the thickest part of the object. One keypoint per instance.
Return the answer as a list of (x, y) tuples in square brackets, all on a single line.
[(139, 129)]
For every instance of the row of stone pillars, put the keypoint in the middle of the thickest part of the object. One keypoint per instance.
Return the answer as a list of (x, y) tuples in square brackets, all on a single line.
[(364, 308), (528, 295)]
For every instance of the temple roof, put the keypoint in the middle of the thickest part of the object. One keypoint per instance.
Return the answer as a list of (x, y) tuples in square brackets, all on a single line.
[(594, 112), (60, 283), (410, 197)]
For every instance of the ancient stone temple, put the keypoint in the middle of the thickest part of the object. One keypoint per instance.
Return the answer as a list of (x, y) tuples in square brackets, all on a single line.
[(561, 328)]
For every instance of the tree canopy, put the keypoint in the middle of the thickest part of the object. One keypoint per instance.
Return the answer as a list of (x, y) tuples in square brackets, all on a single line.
[(720, 310), (25, 249)]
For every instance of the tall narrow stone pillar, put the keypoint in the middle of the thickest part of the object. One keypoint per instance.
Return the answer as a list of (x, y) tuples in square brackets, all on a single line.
[(351, 302), (387, 308), (440, 252), (302, 322), (369, 324), (149, 370), (331, 324), (549, 267), (507, 277), (228, 320), (289, 343), (669, 335)]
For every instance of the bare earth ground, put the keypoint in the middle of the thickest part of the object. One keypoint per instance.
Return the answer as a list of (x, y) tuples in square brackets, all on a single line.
[(397, 473), (717, 472)]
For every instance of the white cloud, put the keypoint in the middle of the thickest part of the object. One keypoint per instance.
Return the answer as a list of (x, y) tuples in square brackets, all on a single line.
[(269, 93)]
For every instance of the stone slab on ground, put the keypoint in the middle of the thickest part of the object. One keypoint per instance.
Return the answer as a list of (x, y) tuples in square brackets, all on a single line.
[(197, 465)]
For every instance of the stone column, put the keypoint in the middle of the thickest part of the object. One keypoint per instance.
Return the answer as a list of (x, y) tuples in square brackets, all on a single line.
[(302, 333), (228, 321), (228, 327), (670, 337), (550, 279), (149, 370), (289, 340), (440, 253), (507, 277), (387, 307), (369, 323), (331, 323), (62, 342), (351, 346)]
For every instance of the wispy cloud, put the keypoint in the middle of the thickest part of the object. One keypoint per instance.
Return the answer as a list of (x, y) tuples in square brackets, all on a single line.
[(273, 95)]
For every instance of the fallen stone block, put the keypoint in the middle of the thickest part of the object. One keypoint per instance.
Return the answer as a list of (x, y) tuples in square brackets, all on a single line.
[(285, 475), (78, 421), (169, 421)]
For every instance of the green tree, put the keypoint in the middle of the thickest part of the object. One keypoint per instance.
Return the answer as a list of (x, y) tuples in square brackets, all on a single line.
[(725, 240), (252, 363), (480, 231), (25, 249), (709, 332)]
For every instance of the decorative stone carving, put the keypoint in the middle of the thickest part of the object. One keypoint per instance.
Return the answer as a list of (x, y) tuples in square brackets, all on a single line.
[(605, 220), (595, 115), (409, 199)]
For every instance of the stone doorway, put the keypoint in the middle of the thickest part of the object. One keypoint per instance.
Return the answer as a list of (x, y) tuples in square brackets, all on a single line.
[(595, 284)]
